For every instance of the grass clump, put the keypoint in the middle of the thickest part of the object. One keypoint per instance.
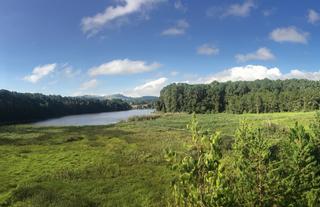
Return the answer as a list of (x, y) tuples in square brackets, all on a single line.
[(144, 118)]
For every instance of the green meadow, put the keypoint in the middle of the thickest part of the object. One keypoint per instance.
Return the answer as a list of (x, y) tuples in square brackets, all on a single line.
[(114, 165)]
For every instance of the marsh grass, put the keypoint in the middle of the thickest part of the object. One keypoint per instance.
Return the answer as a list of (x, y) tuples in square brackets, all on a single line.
[(144, 118), (114, 165)]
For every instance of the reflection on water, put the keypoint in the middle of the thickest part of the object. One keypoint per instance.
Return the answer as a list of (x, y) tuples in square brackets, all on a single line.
[(93, 119)]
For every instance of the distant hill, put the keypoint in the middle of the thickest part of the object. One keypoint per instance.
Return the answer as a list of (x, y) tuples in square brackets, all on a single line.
[(141, 99), (135, 102), (118, 96)]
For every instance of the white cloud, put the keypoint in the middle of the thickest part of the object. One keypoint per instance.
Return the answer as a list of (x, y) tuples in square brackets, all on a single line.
[(269, 12), (249, 73), (151, 88), (180, 6), (89, 85), (262, 53), (240, 10), (237, 10), (207, 49), (257, 72), (289, 34), (174, 73), (40, 72), (299, 74), (313, 16), (122, 67), (93, 24), (178, 29), (67, 71)]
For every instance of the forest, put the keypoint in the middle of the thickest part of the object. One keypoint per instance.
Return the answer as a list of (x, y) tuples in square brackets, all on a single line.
[(24, 107), (260, 96)]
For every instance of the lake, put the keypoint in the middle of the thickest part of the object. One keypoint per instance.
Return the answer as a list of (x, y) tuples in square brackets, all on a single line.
[(94, 119)]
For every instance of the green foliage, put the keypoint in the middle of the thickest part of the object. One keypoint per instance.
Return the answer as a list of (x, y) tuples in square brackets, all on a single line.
[(123, 164), (117, 165), (25, 107), (266, 167), (304, 173), (144, 118), (260, 96), (198, 182), (259, 159)]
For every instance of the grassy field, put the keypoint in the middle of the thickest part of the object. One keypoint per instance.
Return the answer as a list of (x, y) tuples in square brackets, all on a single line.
[(115, 165)]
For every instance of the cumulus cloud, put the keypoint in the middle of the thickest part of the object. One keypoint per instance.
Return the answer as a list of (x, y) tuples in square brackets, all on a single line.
[(249, 73), (289, 34), (122, 67), (258, 72), (262, 53), (89, 85), (151, 88), (40, 72), (299, 74), (207, 49), (240, 10), (94, 23), (178, 29), (313, 16)]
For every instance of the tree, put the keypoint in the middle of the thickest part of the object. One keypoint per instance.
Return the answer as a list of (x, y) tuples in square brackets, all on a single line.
[(23, 107), (258, 163), (265, 167), (199, 180), (303, 178), (241, 96)]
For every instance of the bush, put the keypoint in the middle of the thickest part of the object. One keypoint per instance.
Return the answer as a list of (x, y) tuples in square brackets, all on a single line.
[(262, 169)]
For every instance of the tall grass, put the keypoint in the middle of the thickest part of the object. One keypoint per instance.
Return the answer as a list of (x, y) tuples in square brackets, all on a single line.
[(144, 118)]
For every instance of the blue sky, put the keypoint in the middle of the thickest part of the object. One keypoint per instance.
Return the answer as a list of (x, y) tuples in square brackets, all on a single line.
[(136, 47)]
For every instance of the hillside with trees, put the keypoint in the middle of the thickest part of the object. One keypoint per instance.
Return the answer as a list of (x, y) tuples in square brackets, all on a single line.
[(239, 97), (24, 107), (142, 102)]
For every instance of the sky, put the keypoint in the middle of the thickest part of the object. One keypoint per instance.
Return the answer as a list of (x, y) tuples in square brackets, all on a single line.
[(136, 47)]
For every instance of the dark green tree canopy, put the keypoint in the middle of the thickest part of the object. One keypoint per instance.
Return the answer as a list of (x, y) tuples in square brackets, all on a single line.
[(24, 107), (238, 97)]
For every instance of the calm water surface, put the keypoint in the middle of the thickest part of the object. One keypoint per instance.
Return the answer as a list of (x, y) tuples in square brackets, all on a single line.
[(94, 119)]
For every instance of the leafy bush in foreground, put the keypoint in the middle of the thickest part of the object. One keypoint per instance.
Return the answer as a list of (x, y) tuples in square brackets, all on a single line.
[(264, 168)]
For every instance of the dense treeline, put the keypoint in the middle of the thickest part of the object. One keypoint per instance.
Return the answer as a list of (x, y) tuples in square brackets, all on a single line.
[(23, 107), (238, 97), (269, 166)]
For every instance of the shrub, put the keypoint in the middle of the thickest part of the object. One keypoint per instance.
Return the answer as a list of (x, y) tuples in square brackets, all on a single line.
[(262, 169)]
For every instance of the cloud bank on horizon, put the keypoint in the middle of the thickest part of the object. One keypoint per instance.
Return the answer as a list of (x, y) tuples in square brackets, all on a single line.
[(136, 47), (259, 72)]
